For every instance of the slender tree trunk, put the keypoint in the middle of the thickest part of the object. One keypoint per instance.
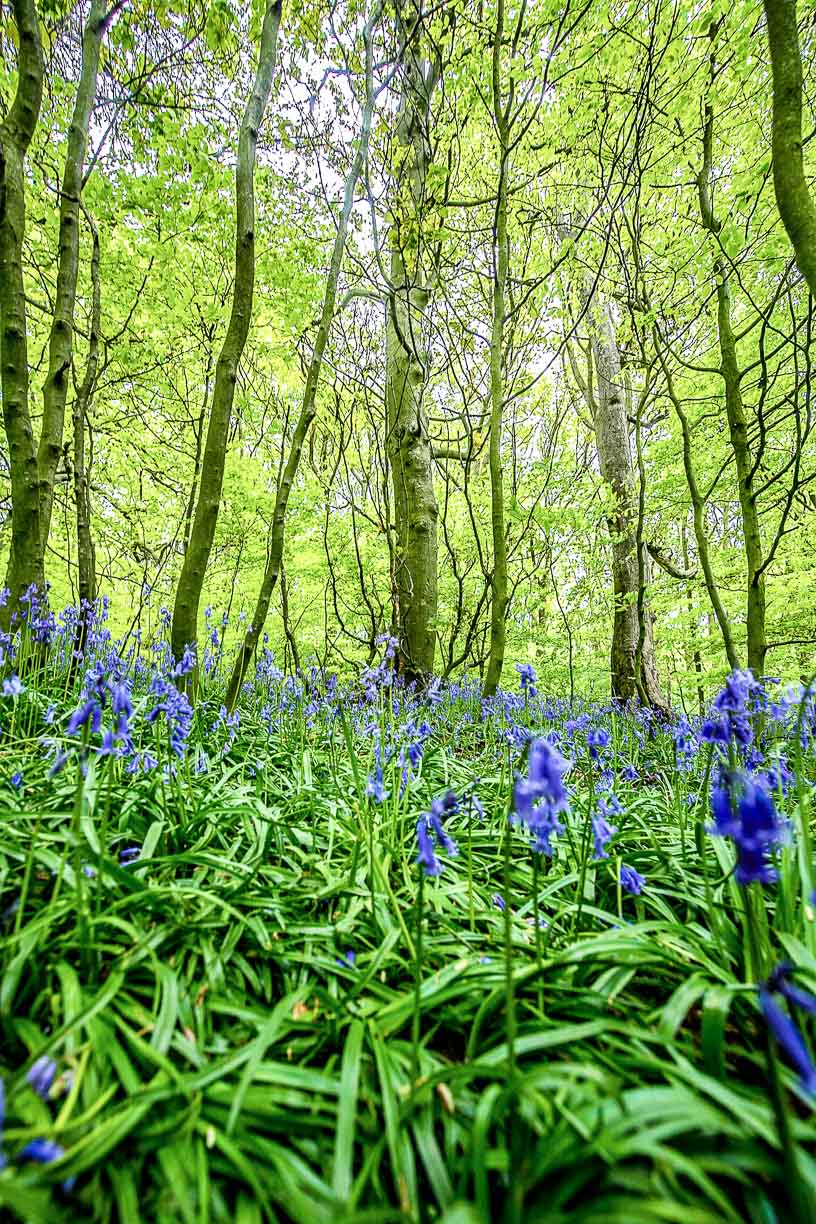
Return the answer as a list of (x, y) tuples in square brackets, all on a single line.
[(309, 405), (86, 555), (608, 408), (61, 340), (184, 630), (696, 657), (25, 566), (735, 415), (408, 446), (698, 515), (501, 259), (793, 198)]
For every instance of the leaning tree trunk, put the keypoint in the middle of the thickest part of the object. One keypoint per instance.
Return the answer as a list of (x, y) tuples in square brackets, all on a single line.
[(408, 446), (25, 567), (501, 260), (735, 412), (793, 198), (184, 630), (632, 652), (61, 340), (274, 557)]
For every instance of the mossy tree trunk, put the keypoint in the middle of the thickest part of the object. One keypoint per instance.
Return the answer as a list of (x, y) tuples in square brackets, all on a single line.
[(25, 565)]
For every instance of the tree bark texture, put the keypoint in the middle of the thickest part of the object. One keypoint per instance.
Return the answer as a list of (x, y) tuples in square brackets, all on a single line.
[(25, 567), (408, 445), (793, 198)]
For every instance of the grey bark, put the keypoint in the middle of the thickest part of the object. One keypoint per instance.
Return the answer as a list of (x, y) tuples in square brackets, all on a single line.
[(408, 445)]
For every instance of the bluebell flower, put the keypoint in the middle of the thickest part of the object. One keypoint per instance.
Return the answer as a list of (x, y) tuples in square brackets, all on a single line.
[(17, 780), (426, 857), (499, 902), (128, 855), (597, 740), (12, 687), (44, 1151), (787, 1036), (58, 763), (630, 774), (375, 788), (89, 712), (631, 880), (41, 1075), (602, 833), (744, 811), (348, 961), (527, 677)]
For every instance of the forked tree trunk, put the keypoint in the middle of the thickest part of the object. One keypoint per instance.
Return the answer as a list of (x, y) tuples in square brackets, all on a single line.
[(184, 630), (408, 446)]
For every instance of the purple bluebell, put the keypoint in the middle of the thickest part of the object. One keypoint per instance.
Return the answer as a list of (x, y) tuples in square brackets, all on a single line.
[(90, 712), (602, 832), (16, 780), (41, 1074), (744, 811), (631, 880), (128, 855), (44, 1151), (527, 678), (12, 687), (426, 857), (597, 741), (788, 1037)]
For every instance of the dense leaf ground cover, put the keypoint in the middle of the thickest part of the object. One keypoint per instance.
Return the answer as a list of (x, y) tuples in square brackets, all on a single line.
[(230, 992)]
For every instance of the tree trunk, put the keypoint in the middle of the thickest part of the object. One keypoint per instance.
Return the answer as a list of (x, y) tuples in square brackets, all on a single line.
[(501, 259), (735, 413), (409, 449), (274, 556), (86, 555), (608, 408), (793, 198), (25, 567), (61, 340), (698, 516), (184, 630)]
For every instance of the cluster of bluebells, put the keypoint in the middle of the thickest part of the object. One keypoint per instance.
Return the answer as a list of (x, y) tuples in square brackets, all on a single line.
[(432, 835), (730, 717), (541, 797), (527, 679), (745, 811), (41, 1078)]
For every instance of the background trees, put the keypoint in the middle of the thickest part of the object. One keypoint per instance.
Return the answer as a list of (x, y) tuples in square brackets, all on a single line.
[(647, 137)]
